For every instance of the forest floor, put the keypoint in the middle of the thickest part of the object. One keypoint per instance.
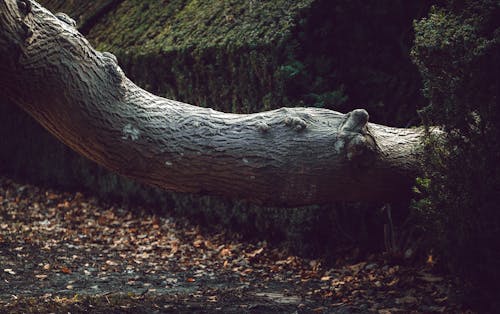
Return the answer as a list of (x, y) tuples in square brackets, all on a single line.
[(67, 252)]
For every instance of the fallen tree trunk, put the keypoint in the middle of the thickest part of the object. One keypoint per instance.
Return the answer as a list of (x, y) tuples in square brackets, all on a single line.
[(286, 157)]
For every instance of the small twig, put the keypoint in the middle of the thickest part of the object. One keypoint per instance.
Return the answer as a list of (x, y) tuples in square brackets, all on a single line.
[(389, 232)]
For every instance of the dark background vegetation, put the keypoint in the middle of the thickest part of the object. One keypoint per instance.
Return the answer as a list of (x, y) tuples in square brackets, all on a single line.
[(248, 56), (457, 50)]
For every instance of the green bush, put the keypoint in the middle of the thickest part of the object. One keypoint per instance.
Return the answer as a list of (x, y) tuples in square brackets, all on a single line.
[(457, 50)]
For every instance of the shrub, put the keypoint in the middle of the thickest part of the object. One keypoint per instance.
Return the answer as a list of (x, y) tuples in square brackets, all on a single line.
[(457, 50)]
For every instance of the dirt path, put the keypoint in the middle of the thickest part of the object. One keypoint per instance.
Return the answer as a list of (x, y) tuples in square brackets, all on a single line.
[(63, 252)]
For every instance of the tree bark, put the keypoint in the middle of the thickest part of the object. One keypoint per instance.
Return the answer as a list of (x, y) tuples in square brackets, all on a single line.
[(285, 157)]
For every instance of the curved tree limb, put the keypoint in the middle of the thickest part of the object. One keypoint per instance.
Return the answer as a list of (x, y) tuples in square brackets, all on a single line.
[(288, 157)]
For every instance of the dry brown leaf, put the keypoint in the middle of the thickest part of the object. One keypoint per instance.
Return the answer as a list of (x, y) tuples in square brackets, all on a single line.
[(393, 270), (255, 252), (407, 300), (197, 243), (102, 220), (65, 270), (319, 309), (356, 268), (393, 282), (155, 220), (63, 205), (51, 196), (315, 264), (225, 252), (430, 260), (430, 278), (441, 300)]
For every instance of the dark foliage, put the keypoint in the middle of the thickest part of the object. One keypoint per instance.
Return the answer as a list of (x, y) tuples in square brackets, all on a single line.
[(457, 50), (351, 54)]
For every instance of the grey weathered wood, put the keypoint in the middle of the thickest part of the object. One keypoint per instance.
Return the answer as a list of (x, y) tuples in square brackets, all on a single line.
[(289, 156)]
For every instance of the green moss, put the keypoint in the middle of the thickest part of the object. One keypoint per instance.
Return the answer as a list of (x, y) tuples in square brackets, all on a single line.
[(193, 24), (85, 13)]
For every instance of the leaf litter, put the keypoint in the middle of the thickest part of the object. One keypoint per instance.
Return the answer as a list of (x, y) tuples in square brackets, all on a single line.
[(63, 251)]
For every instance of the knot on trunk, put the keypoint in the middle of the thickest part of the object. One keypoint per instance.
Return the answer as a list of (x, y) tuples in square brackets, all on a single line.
[(360, 145), (297, 123), (355, 121), (24, 6)]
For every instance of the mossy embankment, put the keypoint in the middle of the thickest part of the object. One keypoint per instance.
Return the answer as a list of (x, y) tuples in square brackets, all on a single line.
[(239, 56)]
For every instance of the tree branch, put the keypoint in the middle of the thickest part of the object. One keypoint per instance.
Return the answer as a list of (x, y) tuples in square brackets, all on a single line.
[(288, 157)]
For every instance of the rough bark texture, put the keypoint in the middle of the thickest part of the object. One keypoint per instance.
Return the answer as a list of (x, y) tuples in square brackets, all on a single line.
[(289, 156)]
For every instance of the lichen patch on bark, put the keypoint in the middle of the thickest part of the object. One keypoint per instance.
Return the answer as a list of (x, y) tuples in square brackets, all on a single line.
[(130, 132)]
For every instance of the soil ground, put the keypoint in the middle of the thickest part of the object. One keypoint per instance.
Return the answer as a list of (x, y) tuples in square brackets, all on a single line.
[(68, 252)]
